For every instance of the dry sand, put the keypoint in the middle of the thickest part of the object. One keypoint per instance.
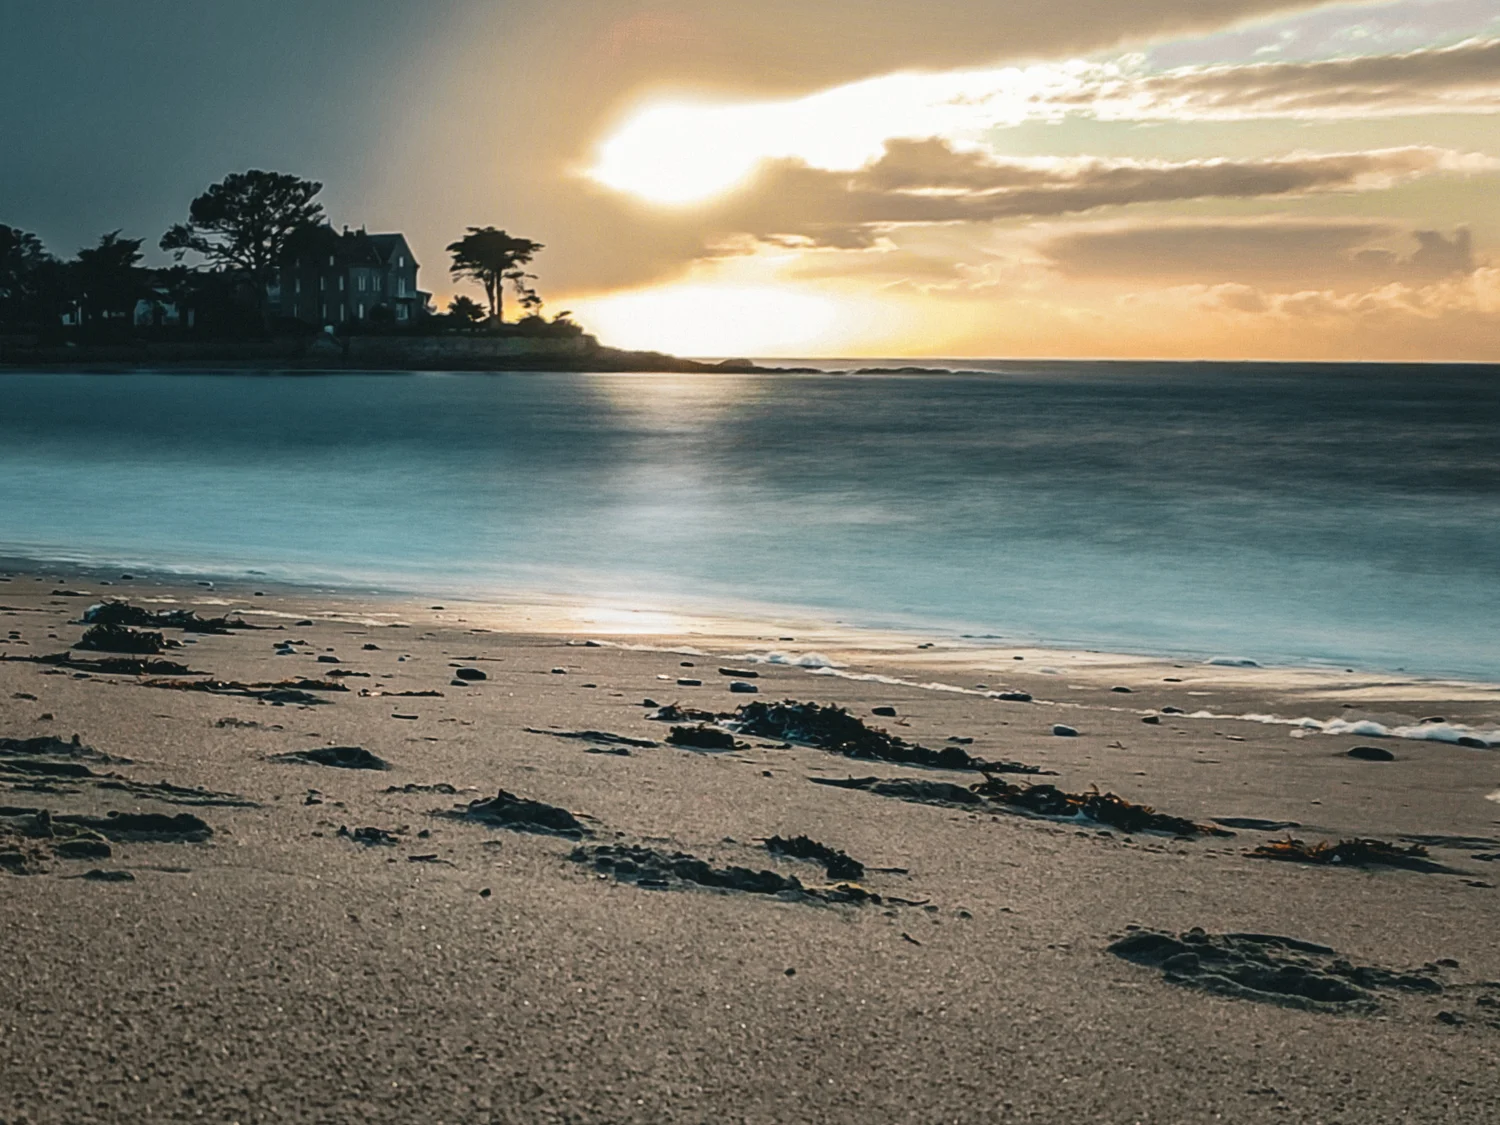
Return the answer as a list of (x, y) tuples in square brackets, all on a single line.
[(280, 971)]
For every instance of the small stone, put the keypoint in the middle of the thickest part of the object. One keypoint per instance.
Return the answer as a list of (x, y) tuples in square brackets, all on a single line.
[(559, 671), (1062, 730), (689, 683), (739, 687), (1120, 689), (370, 648), (887, 711), (470, 674), (1372, 754), (1152, 720)]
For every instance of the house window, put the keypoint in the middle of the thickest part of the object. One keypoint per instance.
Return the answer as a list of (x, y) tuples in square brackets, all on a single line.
[(361, 283), (401, 312), (322, 284), (330, 260), (325, 310), (401, 260), (361, 310), (341, 284), (297, 287)]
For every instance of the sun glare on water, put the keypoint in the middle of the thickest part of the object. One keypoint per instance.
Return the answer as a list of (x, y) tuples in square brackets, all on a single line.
[(716, 319)]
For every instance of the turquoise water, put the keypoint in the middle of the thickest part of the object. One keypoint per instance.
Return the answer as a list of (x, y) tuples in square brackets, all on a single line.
[(1340, 514)]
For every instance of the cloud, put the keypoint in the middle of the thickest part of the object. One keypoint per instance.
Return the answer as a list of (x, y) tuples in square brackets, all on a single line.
[(1461, 79), (929, 182), (1278, 251)]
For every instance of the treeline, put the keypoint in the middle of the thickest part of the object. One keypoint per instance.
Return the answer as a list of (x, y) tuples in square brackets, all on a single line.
[(229, 256)]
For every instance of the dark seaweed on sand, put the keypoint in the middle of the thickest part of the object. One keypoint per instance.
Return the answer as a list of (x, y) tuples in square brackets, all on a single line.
[(123, 613), (286, 691), (110, 665), (835, 730), (1351, 853), (1101, 808), (703, 737), (907, 789), (1270, 969), (520, 814), (838, 864), (338, 757), (117, 638), (647, 867), (673, 713)]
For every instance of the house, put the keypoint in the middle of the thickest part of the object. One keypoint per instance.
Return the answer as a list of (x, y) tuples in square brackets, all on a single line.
[(332, 279)]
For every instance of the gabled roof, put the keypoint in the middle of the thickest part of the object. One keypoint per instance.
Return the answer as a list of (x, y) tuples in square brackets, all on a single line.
[(351, 248)]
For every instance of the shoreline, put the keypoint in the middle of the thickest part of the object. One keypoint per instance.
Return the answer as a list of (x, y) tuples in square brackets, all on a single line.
[(925, 657)]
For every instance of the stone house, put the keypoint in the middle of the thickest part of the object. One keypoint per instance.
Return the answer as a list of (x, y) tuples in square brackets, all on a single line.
[(332, 279)]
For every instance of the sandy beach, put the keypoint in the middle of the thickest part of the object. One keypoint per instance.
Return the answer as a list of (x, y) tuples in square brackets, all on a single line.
[(265, 934)]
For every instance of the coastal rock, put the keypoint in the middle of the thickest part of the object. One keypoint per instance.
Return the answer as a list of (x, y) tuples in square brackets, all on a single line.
[(1062, 730), (1371, 754), (739, 687), (473, 674)]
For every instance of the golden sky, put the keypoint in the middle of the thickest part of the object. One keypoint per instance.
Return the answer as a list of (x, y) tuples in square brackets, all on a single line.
[(1175, 178)]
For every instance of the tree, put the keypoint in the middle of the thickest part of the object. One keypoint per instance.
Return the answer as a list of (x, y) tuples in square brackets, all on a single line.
[(23, 262), (243, 224), (487, 255), (108, 276), (465, 311), (526, 296)]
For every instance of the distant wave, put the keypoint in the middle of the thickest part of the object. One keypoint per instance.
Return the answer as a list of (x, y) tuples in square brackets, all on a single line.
[(1455, 733)]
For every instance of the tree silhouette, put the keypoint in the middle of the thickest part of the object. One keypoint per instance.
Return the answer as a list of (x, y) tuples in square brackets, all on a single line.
[(108, 278), (465, 311), (244, 223), (487, 255), (24, 262)]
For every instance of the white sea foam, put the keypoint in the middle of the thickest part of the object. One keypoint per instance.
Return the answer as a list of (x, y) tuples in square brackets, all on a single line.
[(1366, 728), (794, 660)]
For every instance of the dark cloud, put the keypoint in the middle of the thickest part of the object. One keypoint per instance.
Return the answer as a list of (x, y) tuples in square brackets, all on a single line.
[(1462, 78), (927, 182), (1303, 253)]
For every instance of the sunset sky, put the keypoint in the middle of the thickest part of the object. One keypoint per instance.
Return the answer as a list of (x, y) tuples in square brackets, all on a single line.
[(1175, 178)]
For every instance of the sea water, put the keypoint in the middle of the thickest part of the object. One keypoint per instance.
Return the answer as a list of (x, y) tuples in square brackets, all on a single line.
[(1342, 514)]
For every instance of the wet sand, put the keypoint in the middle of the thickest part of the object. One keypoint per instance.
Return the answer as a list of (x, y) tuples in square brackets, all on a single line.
[(336, 948)]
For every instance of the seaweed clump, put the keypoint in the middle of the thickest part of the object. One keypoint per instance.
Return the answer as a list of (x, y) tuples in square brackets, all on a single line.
[(703, 737), (1351, 853), (1102, 808), (123, 613), (1269, 969), (835, 730), (672, 713), (519, 814), (339, 757), (647, 867), (286, 691), (838, 864), (117, 638)]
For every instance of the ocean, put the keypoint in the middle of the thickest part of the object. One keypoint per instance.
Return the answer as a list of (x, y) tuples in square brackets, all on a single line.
[(1307, 514)]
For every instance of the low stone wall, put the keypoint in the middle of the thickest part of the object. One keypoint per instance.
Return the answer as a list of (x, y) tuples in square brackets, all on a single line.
[(429, 351)]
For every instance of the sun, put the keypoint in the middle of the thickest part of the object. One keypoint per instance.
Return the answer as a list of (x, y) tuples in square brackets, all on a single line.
[(679, 153)]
